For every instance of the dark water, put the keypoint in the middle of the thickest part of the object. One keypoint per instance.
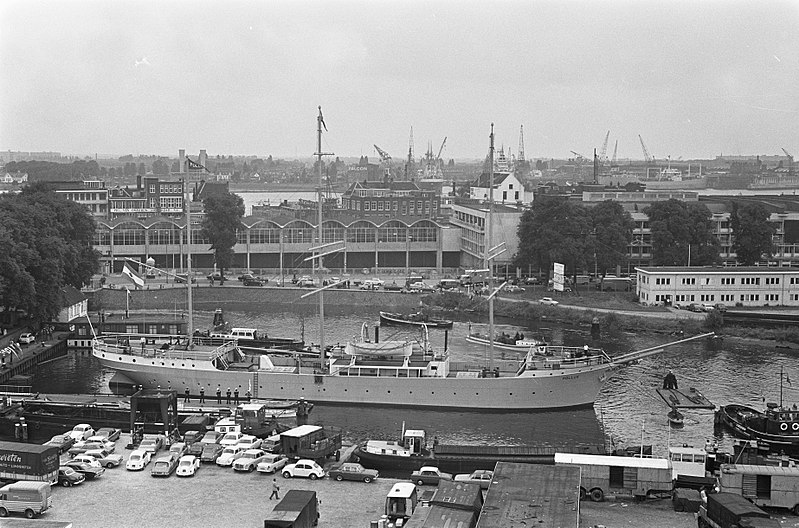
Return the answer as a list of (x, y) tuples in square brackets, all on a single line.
[(745, 372)]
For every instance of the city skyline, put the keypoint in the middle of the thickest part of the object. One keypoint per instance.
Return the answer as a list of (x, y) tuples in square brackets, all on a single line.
[(695, 80)]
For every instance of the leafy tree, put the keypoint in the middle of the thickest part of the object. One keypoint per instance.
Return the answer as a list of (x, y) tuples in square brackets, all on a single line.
[(613, 231), (555, 230), (752, 233), (223, 215), (47, 243), (679, 228)]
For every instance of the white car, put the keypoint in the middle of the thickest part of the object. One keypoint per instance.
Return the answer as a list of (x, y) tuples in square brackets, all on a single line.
[(188, 466), (81, 432), (102, 442), (271, 463), (250, 442), (231, 439), (105, 458), (227, 457), (138, 460), (93, 462), (249, 460), (27, 338), (304, 468), (548, 301)]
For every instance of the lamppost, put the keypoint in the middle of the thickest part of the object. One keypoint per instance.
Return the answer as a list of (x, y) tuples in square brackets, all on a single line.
[(280, 243), (408, 240)]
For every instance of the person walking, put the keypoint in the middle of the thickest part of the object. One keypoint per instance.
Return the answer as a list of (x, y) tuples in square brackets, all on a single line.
[(202, 394), (228, 395), (236, 395), (275, 490), (218, 394), (188, 396)]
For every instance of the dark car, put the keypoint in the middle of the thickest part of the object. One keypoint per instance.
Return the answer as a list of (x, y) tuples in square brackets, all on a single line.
[(253, 282), (352, 471), (248, 276), (164, 465), (211, 452), (85, 469), (182, 278), (216, 276), (110, 433), (69, 477), (63, 442)]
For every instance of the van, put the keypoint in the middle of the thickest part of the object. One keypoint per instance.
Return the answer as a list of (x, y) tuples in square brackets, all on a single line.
[(271, 444), (446, 284), (30, 498)]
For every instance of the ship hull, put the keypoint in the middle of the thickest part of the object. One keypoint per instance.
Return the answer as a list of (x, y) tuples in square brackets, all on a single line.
[(540, 390)]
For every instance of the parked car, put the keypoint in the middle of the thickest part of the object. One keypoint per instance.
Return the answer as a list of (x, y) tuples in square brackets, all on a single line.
[(532, 280), (481, 476), (721, 307), (103, 442), (211, 452), (227, 457), (182, 278), (105, 458), (81, 432), (353, 471), (178, 449), (82, 447), (63, 442), (512, 288), (152, 443), (164, 465), (231, 439), (254, 282), (304, 468), (430, 475), (305, 282), (708, 307), (250, 442), (69, 477), (421, 286), (248, 276), (548, 301), (85, 469), (27, 338), (272, 463), (694, 307), (216, 276), (188, 466), (249, 459), (211, 437), (86, 459), (138, 460), (110, 433)]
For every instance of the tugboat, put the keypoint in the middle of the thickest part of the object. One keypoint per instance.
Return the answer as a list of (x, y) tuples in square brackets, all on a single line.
[(777, 427)]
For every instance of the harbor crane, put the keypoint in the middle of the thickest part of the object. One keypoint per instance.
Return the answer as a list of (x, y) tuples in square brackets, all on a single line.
[(385, 157), (603, 158), (790, 160), (647, 156), (441, 149), (615, 149)]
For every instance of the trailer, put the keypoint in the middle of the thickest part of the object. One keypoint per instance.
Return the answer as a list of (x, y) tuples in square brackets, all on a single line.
[(310, 441), (298, 509), (728, 510), (603, 475), (773, 486), (20, 461)]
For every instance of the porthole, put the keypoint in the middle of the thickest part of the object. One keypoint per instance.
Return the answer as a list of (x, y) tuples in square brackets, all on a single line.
[(134, 360)]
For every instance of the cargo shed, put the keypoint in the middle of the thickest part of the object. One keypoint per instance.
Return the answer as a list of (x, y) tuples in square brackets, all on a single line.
[(454, 504), (546, 496)]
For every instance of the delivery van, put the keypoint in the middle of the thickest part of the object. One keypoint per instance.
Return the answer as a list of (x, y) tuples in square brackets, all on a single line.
[(28, 497)]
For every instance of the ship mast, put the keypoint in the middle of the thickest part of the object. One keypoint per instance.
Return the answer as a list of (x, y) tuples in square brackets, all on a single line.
[(320, 122), (189, 276)]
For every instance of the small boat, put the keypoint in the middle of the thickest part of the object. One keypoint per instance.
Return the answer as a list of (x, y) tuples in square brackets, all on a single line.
[(414, 319), (676, 419), (777, 427), (512, 343)]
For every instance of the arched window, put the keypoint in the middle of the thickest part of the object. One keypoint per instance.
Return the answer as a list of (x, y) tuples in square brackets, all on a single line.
[(392, 231), (129, 234), (361, 231)]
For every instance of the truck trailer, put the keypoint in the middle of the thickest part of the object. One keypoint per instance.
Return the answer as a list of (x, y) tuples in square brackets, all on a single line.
[(728, 510), (772, 486), (20, 461), (298, 509)]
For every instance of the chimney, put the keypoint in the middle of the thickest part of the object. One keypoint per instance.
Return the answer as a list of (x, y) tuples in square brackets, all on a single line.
[(182, 160), (203, 158)]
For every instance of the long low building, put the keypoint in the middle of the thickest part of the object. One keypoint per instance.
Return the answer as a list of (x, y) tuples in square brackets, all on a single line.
[(732, 286)]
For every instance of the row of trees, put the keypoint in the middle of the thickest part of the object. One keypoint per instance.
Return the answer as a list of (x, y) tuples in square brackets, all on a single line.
[(47, 243), (559, 230)]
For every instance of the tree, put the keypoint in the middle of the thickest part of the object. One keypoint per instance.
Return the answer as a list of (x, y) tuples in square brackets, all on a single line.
[(752, 233), (223, 215), (555, 230), (47, 243), (680, 230), (613, 231)]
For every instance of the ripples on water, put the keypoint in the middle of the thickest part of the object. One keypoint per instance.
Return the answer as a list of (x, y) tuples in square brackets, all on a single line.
[(738, 372)]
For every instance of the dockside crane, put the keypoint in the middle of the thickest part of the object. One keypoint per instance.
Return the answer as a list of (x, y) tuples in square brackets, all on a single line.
[(385, 157), (647, 157), (790, 160), (441, 149), (603, 158)]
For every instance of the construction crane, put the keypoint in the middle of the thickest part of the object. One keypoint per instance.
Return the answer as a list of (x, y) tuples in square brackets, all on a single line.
[(384, 156), (615, 149), (790, 160), (647, 157), (441, 149), (603, 158)]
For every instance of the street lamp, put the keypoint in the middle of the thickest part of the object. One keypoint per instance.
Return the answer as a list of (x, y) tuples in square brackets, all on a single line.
[(408, 240), (280, 243)]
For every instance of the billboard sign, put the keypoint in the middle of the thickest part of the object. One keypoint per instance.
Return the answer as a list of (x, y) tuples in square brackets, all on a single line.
[(558, 276)]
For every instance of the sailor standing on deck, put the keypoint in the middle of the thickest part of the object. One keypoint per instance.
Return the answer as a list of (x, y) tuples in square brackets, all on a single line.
[(188, 397), (202, 394), (218, 394), (228, 395), (670, 381)]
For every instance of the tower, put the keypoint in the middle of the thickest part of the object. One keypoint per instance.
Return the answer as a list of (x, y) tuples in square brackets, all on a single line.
[(520, 158)]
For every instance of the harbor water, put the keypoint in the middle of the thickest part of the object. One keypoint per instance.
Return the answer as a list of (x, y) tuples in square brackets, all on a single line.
[(628, 409)]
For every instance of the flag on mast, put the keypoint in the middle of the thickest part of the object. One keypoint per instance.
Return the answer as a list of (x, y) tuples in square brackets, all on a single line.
[(133, 275)]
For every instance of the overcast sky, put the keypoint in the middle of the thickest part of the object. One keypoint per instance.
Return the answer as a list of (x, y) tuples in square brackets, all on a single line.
[(693, 78)]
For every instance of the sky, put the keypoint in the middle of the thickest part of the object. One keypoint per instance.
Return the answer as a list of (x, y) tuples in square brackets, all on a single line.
[(695, 79)]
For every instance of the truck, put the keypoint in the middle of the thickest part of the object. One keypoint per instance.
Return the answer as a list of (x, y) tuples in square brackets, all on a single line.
[(771, 486), (28, 498), (20, 461), (298, 509), (728, 510)]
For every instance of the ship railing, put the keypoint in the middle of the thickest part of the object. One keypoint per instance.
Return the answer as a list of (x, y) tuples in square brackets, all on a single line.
[(169, 349), (15, 390)]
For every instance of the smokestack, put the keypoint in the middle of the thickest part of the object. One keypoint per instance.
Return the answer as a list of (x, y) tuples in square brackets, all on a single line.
[(182, 160)]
